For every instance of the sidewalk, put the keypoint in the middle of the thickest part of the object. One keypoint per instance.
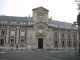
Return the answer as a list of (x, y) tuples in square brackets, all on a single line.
[(77, 54)]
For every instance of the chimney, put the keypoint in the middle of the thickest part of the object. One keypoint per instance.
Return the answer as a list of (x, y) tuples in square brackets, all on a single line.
[(74, 23)]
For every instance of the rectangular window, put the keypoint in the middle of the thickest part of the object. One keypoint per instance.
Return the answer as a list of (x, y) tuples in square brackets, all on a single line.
[(62, 43), (56, 44), (22, 33), (2, 32), (74, 36), (56, 34), (15, 22), (12, 42), (12, 33), (2, 21), (69, 44), (68, 35), (62, 35), (11, 22), (22, 42), (1, 41)]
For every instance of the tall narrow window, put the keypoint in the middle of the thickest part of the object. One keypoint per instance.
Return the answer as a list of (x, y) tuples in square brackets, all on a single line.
[(1, 41), (56, 34), (12, 42), (56, 44), (2, 32), (62, 43), (12, 33), (62, 35), (68, 35), (74, 36), (22, 33), (22, 42), (69, 44)]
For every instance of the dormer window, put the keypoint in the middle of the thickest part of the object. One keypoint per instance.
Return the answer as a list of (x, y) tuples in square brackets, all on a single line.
[(62, 26), (3, 21), (22, 23), (67, 27), (13, 22)]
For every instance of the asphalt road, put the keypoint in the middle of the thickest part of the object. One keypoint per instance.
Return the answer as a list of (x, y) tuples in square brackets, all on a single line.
[(39, 55)]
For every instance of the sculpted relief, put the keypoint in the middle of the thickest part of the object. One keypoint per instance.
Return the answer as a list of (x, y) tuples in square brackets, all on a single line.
[(41, 17), (40, 31)]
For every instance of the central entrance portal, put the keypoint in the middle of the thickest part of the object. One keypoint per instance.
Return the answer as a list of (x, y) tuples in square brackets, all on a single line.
[(40, 43)]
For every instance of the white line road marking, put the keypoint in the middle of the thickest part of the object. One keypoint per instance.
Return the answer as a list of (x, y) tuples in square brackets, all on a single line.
[(52, 58), (2, 52)]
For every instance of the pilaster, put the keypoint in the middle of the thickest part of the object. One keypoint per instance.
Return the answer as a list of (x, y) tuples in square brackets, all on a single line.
[(7, 36)]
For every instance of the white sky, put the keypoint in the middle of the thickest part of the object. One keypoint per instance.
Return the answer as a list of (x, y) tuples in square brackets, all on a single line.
[(61, 10)]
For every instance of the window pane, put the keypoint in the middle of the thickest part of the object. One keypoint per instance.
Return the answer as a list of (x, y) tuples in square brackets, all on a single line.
[(56, 43), (2, 42), (69, 43), (62, 35), (12, 33), (12, 42), (55, 34), (2, 33), (62, 43), (22, 42), (22, 33)]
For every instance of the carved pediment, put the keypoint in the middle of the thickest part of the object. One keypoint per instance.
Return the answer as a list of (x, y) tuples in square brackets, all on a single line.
[(41, 9)]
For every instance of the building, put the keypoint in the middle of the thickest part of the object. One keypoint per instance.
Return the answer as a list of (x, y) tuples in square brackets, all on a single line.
[(36, 32)]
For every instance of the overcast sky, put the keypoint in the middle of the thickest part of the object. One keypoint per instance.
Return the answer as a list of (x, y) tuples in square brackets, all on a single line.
[(61, 10)]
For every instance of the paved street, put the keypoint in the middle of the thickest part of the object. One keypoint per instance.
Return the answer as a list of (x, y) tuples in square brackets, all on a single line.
[(39, 55)]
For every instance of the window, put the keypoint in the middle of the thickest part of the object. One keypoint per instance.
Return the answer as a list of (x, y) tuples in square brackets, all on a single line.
[(22, 23), (56, 34), (62, 43), (74, 36), (22, 42), (69, 43), (11, 22), (68, 36), (1, 41), (2, 21), (67, 27), (12, 42), (62, 35), (55, 25), (22, 33), (56, 43), (62, 26), (15, 22), (12, 33), (2, 32)]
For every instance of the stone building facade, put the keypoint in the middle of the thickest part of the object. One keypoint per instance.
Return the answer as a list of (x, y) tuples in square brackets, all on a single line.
[(38, 32)]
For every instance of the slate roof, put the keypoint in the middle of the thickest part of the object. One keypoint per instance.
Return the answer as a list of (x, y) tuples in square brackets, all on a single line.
[(64, 25), (23, 20), (9, 19)]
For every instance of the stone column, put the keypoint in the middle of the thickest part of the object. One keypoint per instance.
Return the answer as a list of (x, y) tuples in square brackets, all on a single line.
[(59, 39), (66, 37), (7, 36), (72, 43), (17, 35)]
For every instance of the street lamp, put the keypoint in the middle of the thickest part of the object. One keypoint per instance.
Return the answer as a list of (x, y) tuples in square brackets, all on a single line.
[(78, 20)]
